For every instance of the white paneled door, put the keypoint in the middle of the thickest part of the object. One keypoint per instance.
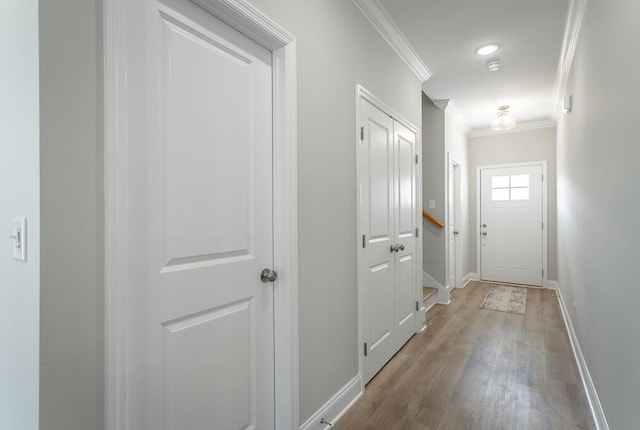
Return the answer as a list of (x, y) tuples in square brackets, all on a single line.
[(511, 229), (204, 199), (387, 182)]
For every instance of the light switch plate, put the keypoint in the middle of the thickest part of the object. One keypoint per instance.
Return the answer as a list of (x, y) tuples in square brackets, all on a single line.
[(19, 237), (432, 204)]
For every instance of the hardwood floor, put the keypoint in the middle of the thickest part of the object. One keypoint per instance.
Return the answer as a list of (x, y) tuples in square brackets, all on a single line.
[(479, 369)]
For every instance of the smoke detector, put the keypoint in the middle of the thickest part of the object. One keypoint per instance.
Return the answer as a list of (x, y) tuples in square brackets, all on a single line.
[(494, 65)]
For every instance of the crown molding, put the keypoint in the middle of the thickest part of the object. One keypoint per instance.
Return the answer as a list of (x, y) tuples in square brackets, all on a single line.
[(449, 107), (526, 126), (441, 104), (382, 21), (569, 44)]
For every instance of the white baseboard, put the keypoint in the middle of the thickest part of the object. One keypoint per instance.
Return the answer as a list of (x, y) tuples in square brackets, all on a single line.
[(336, 407), (552, 285), (468, 278), (472, 276), (428, 306), (587, 382)]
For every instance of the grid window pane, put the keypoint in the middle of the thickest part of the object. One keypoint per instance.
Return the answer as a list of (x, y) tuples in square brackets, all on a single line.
[(499, 182), (500, 194), (520, 193), (519, 180)]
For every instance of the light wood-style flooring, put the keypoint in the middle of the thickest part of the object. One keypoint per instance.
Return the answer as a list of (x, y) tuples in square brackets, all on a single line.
[(479, 369)]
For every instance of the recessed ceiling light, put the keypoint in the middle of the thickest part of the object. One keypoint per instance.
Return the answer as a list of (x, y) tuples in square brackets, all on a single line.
[(487, 49)]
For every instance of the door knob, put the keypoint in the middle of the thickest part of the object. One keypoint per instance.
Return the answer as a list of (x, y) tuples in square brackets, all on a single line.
[(268, 275), (456, 232), (400, 247), (484, 233), (395, 248)]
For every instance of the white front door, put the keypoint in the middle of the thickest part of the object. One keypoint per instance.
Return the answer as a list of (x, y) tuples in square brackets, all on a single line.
[(202, 189), (387, 183), (511, 224)]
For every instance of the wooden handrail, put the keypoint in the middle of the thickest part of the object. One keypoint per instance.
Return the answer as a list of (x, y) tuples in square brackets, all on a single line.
[(433, 220)]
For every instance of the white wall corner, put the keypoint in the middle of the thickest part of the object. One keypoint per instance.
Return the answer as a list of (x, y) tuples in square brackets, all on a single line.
[(468, 278), (429, 281), (382, 21), (336, 407), (450, 108), (443, 296), (571, 33), (552, 285), (590, 389)]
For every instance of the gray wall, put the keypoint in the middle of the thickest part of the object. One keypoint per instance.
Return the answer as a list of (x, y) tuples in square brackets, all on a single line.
[(337, 49), (598, 205), (517, 147), (433, 188), (19, 192), (71, 194)]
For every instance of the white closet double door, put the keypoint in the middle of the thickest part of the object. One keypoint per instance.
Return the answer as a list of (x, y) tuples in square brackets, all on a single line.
[(388, 221)]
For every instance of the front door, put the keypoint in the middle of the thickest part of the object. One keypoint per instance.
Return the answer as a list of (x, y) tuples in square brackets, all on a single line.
[(511, 225), (204, 199)]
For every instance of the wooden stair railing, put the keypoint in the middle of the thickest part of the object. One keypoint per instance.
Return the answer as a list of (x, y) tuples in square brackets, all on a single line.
[(433, 220)]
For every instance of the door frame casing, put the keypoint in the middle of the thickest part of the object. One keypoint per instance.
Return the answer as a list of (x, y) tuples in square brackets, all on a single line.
[(362, 94), (119, 328), (453, 164), (545, 230)]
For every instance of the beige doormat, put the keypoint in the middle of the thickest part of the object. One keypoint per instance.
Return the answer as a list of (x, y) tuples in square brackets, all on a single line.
[(506, 299)]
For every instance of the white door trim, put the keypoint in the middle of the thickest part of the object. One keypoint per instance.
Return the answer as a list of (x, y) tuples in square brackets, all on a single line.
[(364, 94), (545, 234), (245, 18), (452, 163)]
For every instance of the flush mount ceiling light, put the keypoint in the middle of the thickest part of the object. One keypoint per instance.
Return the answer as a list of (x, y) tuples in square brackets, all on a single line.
[(487, 49), (494, 65), (505, 119)]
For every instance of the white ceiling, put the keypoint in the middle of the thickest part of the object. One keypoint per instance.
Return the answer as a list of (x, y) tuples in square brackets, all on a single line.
[(445, 34)]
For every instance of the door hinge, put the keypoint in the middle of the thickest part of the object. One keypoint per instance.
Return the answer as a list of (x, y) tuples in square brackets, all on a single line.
[(364, 240), (416, 158), (361, 133), (417, 232), (366, 349), (542, 177), (543, 224), (543, 273), (417, 306)]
